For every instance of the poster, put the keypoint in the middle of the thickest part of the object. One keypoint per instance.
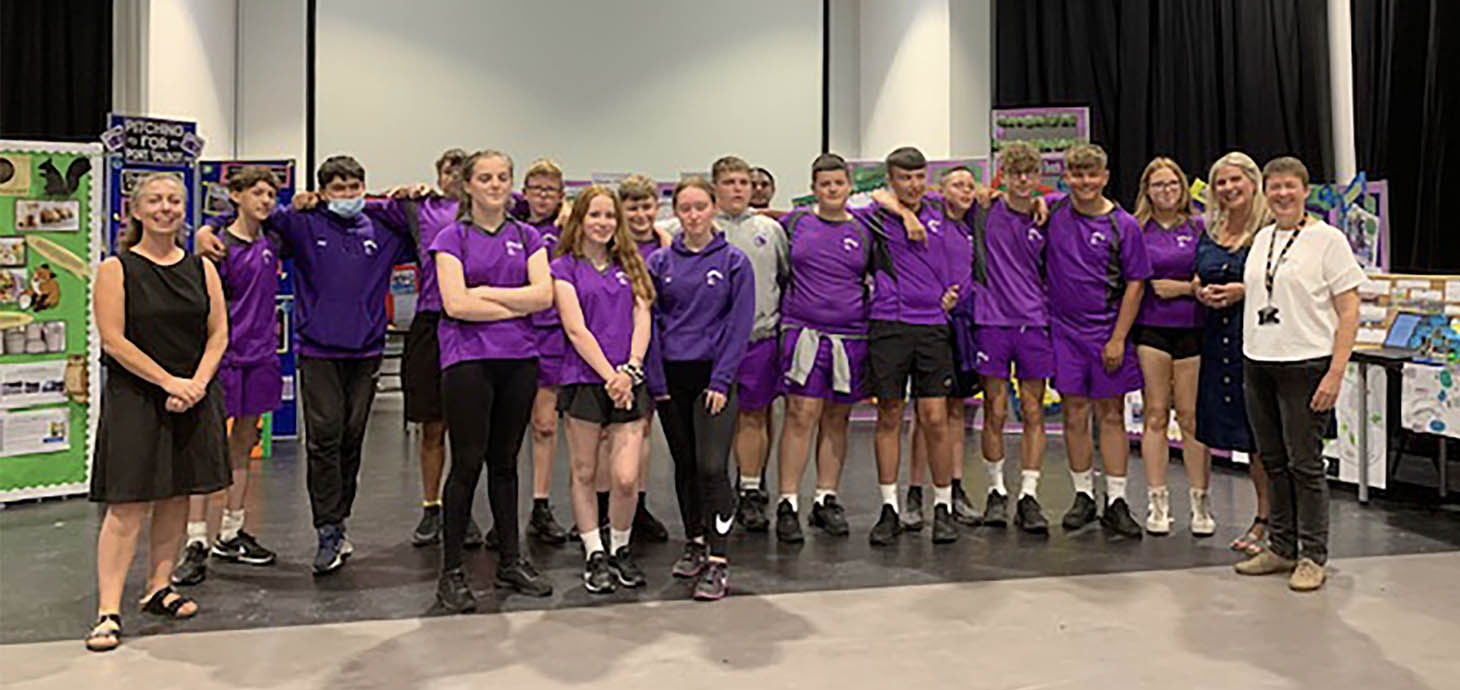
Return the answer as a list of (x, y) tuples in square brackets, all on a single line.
[(1427, 399), (139, 146), (48, 347), (1050, 130), (869, 176), (1345, 447), (1359, 208)]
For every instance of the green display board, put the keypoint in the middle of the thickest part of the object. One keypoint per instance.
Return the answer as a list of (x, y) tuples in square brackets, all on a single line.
[(49, 221)]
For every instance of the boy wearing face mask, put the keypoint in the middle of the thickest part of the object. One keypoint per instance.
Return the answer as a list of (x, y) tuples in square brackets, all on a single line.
[(344, 251)]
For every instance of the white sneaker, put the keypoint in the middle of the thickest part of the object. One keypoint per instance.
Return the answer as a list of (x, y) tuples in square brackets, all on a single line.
[(1158, 512), (1203, 523)]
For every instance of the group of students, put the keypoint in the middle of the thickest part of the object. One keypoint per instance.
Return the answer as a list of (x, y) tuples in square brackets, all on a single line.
[(531, 311)]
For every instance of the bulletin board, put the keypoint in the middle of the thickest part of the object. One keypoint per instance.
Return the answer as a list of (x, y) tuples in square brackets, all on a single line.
[(50, 240), (869, 176)]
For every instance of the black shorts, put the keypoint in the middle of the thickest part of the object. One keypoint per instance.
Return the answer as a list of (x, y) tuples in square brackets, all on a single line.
[(589, 402), (420, 369), (1180, 343), (897, 351)]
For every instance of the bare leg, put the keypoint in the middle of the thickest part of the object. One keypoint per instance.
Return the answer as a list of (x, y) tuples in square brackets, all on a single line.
[(887, 443), (241, 440), (933, 420), (917, 471), (1078, 439), (995, 416), (169, 523), (623, 442), (752, 441), (583, 443), (1156, 367), (433, 460), (1114, 446), (645, 434), (544, 440), (802, 414), (956, 438), (831, 445), (1194, 454), (116, 544), (1031, 404)]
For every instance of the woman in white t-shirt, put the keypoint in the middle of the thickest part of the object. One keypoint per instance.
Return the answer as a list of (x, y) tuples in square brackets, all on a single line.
[(1299, 326)]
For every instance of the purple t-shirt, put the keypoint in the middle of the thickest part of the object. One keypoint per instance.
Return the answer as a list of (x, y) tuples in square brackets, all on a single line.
[(828, 290), (913, 292), (1087, 277), (648, 247), (1013, 293), (250, 276), (497, 259), (549, 231), (607, 300), (1173, 257), (960, 261), (433, 214)]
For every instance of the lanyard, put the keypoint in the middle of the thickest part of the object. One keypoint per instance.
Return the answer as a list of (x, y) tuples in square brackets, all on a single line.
[(1272, 268)]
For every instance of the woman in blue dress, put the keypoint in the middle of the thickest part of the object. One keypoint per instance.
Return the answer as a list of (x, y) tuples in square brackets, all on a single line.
[(1236, 209)]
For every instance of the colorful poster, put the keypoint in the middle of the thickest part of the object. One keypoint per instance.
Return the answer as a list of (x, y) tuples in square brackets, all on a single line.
[(138, 146), (1427, 399)]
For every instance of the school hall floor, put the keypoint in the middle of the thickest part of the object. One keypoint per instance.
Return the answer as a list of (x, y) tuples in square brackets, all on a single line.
[(832, 612)]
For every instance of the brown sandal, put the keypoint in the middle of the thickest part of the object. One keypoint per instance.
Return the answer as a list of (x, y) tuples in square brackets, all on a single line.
[(156, 604), (106, 633)]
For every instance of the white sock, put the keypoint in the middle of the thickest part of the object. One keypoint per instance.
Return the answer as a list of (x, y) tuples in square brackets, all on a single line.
[(1029, 483), (1084, 482), (1114, 488), (889, 495), (749, 483), (232, 523), (197, 533), (618, 538), (943, 496), (821, 495), (592, 542), (996, 477), (793, 499)]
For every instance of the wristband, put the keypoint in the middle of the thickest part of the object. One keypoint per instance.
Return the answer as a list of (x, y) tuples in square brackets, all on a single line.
[(634, 371)]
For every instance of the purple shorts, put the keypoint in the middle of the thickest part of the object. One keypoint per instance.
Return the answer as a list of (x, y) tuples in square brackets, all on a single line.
[(551, 344), (1028, 348), (760, 375), (251, 389), (819, 383), (1079, 371)]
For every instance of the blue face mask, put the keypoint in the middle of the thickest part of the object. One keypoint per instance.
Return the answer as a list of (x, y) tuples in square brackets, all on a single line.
[(347, 208)]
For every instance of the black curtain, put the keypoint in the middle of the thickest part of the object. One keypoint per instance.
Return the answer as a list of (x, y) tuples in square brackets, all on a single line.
[(1188, 79), (55, 69), (1407, 104)]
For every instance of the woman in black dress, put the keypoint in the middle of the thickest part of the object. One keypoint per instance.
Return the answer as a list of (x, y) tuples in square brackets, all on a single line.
[(1236, 208), (164, 327)]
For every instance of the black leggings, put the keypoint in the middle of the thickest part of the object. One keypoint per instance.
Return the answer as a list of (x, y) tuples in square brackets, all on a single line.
[(488, 403), (700, 445)]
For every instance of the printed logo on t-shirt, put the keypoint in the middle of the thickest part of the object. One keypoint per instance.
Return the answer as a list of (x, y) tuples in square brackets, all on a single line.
[(622, 278), (370, 247), (267, 256), (850, 244), (513, 247), (321, 243), (713, 277), (1183, 240), (935, 226), (760, 239), (1034, 236), (1097, 238)]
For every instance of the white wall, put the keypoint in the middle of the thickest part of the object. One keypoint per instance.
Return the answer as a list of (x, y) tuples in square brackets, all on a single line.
[(904, 69), (844, 119), (971, 76), (271, 70), (190, 67)]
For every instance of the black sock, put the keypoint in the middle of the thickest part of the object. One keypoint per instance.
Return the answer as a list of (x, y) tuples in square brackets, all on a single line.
[(957, 485), (643, 502), (915, 490), (602, 507), (539, 503)]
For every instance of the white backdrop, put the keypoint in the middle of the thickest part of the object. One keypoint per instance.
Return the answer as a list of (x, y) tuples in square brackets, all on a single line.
[(626, 86)]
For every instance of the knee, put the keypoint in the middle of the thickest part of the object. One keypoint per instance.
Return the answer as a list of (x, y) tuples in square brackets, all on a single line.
[(1186, 419), (1033, 411), (544, 425), (625, 479), (800, 418), (889, 417), (585, 471), (1158, 418)]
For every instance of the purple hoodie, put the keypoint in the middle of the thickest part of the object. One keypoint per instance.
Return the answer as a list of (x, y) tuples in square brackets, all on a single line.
[(704, 311)]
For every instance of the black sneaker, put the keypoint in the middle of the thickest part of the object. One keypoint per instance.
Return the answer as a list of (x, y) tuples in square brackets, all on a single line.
[(1118, 520), (1082, 512), (544, 527), (963, 511), (912, 511), (750, 513), (243, 548), (887, 528), (996, 510), (830, 516), (1030, 517), (428, 530), (453, 592), (647, 527), (597, 578), (624, 569), (330, 555), (521, 576), (692, 562), (714, 584), (474, 538), (945, 531), (193, 568), (788, 524)]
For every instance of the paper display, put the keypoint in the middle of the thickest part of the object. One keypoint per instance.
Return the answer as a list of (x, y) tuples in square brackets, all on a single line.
[(1411, 283), (1374, 288), (1346, 446), (32, 383), (1427, 399), (1426, 295), (1371, 336), (38, 431), (1372, 314), (1452, 291)]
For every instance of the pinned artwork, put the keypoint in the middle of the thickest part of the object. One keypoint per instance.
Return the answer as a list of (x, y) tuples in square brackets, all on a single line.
[(14, 174), (34, 215)]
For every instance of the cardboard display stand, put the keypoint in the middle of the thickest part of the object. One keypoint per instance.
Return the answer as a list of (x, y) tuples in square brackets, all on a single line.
[(51, 237)]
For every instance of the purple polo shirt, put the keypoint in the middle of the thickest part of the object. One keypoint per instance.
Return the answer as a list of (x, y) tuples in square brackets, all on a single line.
[(912, 292), (433, 214), (1173, 257), (828, 290), (960, 261), (607, 300), (1086, 277), (1013, 293), (496, 259), (250, 276)]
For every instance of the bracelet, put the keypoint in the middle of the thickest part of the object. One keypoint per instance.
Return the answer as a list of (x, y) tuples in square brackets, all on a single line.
[(634, 371)]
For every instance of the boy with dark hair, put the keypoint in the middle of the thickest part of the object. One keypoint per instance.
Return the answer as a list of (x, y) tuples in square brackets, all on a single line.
[(762, 188), (1097, 266)]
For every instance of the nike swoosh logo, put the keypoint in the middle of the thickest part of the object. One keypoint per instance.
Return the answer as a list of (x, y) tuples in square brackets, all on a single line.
[(723, 526)]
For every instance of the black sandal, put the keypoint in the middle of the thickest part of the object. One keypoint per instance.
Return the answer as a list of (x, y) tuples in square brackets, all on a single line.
[(154, 604), (103, 636)]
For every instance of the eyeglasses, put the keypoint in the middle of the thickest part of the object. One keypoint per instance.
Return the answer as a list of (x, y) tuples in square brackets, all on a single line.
[(1165, 185), (544, 189)]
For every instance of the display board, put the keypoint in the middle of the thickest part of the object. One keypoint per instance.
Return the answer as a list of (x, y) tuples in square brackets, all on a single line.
[(282, 423), (137, 146), (869, 176), (1437, 297), (50, 231), (1051, 130)]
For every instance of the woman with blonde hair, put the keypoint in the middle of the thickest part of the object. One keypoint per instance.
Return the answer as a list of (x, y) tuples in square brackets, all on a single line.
[(1168, 342), (1236, 208), (164, 327)]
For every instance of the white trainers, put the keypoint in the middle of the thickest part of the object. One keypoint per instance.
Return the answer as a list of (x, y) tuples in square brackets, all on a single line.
[(1158, 511), (1203, 523)]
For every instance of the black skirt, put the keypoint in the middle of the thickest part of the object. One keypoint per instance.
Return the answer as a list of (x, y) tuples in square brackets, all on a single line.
[(145, 453)]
